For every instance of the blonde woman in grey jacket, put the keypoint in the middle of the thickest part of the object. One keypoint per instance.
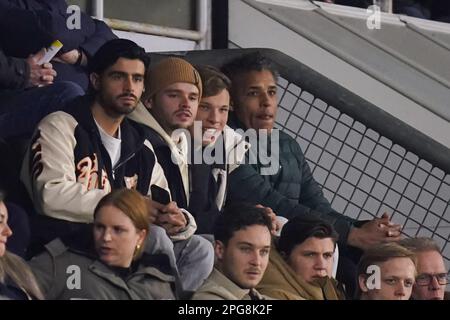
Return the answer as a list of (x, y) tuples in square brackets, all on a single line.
[(112, 265), (16, 279)]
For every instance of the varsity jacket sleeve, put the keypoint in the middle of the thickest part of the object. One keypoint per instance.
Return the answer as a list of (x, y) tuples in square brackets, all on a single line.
[(48, 172), (158, 176)]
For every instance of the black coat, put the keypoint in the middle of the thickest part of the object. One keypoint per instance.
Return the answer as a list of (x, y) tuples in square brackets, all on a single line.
[(37, 23), (14, 72)]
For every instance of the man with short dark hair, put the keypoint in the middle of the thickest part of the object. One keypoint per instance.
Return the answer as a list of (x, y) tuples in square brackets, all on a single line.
[(301, 266), (242, 246), (79, 155), (290, 189)]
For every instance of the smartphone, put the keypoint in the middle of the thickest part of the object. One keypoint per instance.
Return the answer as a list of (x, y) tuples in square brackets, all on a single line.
[(159, 194), (51, 52)]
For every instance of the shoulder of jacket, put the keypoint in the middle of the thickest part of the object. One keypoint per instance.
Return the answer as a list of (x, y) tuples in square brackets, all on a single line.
[(60, 121), (56, 247), (212, 292), (59, 115), (285, 137)]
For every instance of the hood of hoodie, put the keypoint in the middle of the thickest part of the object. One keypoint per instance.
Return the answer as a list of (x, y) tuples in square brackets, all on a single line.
[(179, 150)]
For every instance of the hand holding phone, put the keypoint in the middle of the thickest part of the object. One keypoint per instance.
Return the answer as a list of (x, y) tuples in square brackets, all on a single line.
[(172, 219), (40, 74), (51, 52)]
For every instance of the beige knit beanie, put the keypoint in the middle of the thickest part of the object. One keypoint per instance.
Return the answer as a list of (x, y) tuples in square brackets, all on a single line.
[(169, 71)]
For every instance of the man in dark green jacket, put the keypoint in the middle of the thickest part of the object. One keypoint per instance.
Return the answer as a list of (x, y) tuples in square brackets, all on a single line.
[(288, 188), (291, 189)]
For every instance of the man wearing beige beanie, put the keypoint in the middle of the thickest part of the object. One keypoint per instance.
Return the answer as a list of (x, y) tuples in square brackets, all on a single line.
[(173, 90)]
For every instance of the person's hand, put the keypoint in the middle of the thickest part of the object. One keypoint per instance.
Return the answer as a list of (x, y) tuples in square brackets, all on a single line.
[(276, 225), (391, 229), (70, 57), (378, 230), (171, 218), (40, 75), (153, 208)]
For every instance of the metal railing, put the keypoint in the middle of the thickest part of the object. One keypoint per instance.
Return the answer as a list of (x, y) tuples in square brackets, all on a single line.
[(200, 35), (366, 160)]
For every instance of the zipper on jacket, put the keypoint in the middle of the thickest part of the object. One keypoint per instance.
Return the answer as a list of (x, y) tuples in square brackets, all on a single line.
[(117, 166)]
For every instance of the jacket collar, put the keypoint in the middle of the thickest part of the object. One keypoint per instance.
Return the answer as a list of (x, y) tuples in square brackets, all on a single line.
[(157, 265), (143, 116), (219, 278), (143, 268), (132, 136)]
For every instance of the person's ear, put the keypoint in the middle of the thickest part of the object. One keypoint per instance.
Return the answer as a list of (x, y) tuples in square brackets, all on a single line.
[(219, 249), (142, 235), (232, 105), (148, 102), (95, 80), (362, 281)]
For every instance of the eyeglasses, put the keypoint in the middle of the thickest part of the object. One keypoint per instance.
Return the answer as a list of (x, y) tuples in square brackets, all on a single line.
[(425, 279)]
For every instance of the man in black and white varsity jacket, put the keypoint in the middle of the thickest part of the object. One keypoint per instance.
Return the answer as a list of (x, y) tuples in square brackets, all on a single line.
[(79, 155)]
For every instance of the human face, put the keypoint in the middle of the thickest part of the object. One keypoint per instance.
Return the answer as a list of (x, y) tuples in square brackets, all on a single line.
[(213, 113), (5, 231), (244, 259), (255, 99), (120, 86), (175, 107), (429, 263), (116, 237), (397, 279), (313, 258)]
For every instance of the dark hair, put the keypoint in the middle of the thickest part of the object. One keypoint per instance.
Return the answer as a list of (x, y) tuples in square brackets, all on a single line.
[(238, 216), (298, 229), (254, 61), (213, 80), (2, 196), (114, 49)]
